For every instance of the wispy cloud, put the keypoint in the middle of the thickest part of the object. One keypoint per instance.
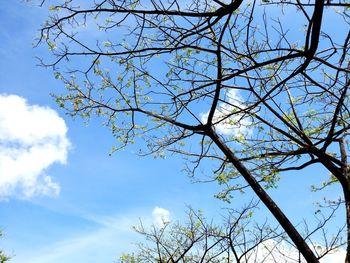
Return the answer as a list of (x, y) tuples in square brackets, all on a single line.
[(113, 235), (101, 245), (32, 138), (227, 122)]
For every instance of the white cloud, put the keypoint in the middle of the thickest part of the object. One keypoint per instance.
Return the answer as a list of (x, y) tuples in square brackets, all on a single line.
[(336, 257), (270, 252), (233, 125), (160, 216), (32, 138)]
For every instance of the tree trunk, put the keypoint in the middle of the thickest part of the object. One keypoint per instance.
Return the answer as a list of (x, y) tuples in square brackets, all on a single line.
[(269, 203), (346, 190)]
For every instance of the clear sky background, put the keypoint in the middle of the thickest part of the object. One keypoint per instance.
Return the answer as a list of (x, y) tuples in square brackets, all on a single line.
[(67, 200)]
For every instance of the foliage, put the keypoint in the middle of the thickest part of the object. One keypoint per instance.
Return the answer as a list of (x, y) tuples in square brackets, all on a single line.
[(254, 89), (235, 238), (3, 257)]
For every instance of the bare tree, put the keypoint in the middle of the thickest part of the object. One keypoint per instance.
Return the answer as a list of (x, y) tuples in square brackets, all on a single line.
[(237, 239), (261, 86)]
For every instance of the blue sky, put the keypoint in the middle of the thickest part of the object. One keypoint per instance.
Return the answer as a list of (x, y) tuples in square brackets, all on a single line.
[(85, 213)]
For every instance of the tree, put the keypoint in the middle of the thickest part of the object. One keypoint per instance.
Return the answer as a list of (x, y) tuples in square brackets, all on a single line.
[(261, 93), (236, 239), (3, 257)]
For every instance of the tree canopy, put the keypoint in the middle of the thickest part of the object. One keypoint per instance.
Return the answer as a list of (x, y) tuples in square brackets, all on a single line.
[(236, 238), (255, 88), (3, 257)]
